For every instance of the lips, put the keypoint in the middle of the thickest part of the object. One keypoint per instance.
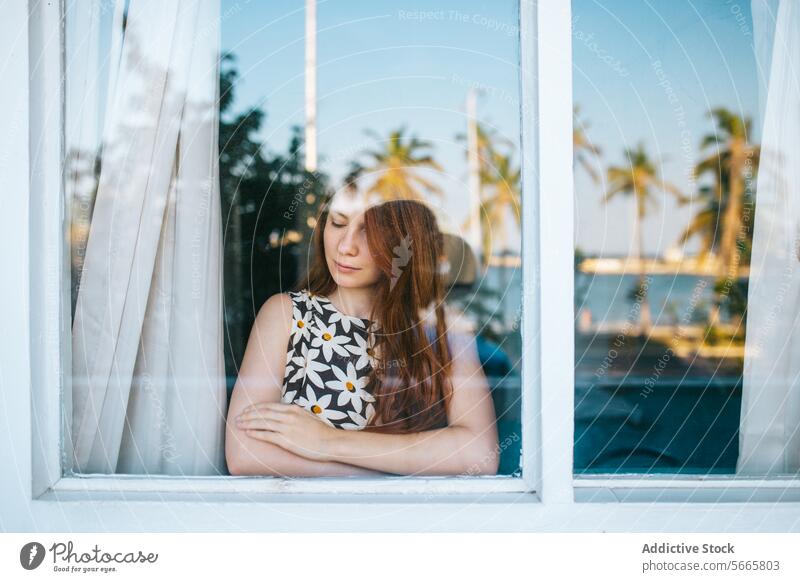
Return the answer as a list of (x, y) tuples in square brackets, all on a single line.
[(346, 268)]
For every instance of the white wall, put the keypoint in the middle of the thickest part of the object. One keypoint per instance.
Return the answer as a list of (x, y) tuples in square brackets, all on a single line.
[(15, 403)]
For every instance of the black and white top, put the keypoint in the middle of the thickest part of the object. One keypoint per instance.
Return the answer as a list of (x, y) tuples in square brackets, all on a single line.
[(328, 362)]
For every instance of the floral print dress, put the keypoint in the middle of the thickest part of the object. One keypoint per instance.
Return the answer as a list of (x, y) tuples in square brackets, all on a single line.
[(328, 362)]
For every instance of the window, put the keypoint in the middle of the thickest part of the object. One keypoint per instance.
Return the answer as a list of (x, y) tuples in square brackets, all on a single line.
[(676, 286), (379, 103)]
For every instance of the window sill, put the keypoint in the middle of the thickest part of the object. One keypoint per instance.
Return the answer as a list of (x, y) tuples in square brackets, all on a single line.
[(89, 487), (158, 511), (685, 489)]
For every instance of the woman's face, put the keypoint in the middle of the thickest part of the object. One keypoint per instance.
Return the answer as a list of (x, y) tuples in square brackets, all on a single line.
[(346, 251)]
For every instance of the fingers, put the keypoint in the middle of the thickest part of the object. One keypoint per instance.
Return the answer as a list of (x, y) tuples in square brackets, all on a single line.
[(263, 412), (270, 437), (270, 424), (276, 406)]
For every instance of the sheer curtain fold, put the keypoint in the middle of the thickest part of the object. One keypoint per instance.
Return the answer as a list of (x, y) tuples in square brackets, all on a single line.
[(148, 370), (769, 435)]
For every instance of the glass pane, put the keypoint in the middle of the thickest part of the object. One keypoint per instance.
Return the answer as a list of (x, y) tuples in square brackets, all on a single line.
[(394, 92), (667, 131), (398, 104)]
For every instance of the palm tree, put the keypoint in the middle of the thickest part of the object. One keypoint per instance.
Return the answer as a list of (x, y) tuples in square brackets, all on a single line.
[(640, 179), (350, 180), (732, 161), (396, 168), (501, 180), (704, 224), (581, 146), (489, 142), (500, 187), (582, 150)]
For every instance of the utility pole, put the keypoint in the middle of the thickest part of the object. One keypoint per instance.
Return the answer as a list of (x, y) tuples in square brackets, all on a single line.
[(311, 86)]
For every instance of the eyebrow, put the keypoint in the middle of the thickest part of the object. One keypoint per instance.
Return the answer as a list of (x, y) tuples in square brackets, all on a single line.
[(340, 214)]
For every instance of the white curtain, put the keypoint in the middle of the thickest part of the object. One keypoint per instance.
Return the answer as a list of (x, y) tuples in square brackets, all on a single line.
[(148, 370), (769, 435)]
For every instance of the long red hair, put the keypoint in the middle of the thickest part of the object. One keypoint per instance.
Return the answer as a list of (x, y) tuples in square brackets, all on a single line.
[(411, 381)]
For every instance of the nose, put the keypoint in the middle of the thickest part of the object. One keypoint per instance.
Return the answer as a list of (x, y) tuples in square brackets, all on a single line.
[(348, 244)]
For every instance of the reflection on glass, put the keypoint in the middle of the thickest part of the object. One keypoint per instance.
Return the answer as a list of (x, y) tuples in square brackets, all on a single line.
[(409, 105), (394, 120), (666, 149)]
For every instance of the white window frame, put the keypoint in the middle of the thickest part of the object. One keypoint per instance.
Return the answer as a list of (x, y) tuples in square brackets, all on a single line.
[(35, 359)]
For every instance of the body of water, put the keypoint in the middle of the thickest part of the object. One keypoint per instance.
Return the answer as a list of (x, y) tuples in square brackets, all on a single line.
[(611, 298)]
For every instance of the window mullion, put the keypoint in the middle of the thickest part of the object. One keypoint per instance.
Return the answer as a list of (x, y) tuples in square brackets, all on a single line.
[(546, 61), (49, 265)]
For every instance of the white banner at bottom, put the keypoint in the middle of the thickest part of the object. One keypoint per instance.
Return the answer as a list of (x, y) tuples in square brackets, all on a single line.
[(393, 557)]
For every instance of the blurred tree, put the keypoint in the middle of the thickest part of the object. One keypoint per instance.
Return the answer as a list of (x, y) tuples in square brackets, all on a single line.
[(396, 167), (582, 148), (733, 163), (269, 205), (500, 191), (501, 197), (639, 178)]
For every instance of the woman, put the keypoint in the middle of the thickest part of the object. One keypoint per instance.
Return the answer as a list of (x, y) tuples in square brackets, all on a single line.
[(351, 374)]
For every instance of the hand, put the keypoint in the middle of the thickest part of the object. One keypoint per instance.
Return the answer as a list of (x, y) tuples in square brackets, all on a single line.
[(290, 427)]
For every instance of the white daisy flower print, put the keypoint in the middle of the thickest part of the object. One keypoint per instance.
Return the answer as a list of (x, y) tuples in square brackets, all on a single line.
[(328, 363), (320, 407), (305, 297), (292, 374), (300, 326), (300, 362), (364, 350), (329, 341), (350, 387), (313, 368), (359, 422), (345, 321), (318, 303)]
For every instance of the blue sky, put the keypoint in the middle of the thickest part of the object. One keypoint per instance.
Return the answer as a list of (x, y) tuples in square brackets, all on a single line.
[(381, 65), (386, 64), (663, 66)]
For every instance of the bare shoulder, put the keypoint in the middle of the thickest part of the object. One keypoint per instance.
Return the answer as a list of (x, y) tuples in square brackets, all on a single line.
[(463, 348), (263, 364), (458, 322), (275, 315)]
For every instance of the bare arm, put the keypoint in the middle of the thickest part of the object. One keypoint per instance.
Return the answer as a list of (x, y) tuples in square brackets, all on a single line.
[(260, 380), (468, 445)]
